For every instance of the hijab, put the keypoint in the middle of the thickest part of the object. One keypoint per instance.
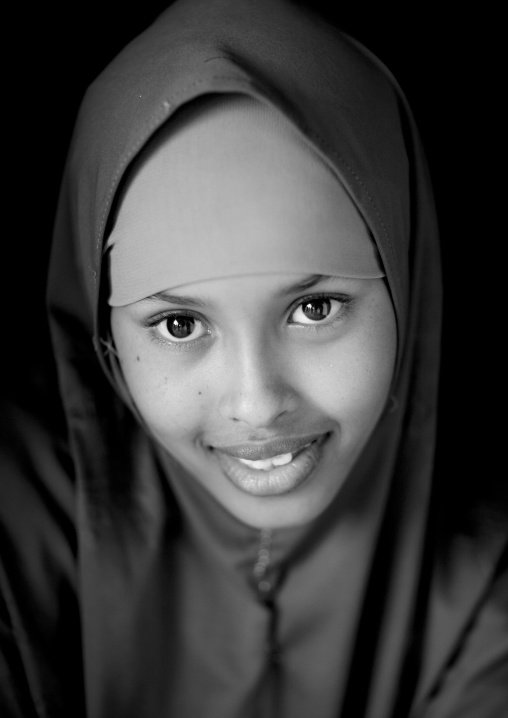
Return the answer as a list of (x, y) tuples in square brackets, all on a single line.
[(401, 617), (230, 189)]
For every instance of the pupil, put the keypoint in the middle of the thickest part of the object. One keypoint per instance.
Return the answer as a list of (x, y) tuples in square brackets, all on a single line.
[(317, 309), (181, 327)]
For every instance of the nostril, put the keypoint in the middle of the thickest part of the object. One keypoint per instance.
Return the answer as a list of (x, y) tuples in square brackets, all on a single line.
[(258, 410)]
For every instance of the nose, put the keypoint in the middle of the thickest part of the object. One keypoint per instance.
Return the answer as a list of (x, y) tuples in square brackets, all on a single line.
[(257, 388)]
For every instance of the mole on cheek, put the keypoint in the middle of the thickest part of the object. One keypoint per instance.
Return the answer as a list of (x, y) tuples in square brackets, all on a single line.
[(137, 358), (199, 393)]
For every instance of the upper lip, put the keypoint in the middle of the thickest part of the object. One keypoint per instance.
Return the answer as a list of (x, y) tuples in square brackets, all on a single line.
[(267, 449)]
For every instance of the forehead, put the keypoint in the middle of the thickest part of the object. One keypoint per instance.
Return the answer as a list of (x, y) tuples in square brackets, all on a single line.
[(201, 294)]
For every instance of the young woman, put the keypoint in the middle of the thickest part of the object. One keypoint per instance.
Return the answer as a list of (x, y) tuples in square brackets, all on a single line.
[(241, 516)]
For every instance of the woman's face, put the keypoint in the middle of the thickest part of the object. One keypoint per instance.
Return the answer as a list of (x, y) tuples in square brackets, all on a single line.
[(265, 387)]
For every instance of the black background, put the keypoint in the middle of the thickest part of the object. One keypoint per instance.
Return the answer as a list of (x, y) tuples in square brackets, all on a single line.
[(445, 64)]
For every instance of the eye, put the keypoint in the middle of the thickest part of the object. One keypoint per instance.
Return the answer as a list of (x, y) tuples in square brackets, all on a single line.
[(315, 310), (181, 328)]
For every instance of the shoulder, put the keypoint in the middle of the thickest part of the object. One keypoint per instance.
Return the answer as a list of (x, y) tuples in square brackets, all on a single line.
[(39, 616), (466, 659), (37, 485)]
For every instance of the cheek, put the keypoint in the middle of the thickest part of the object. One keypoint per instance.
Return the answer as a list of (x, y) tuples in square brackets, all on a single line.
[(370, 367), (171, 402), (351, 381), (175, 403)]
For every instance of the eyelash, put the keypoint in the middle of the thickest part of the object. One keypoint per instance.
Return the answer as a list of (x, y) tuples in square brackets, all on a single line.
[(346, 301), (153, 322), (347, 304)]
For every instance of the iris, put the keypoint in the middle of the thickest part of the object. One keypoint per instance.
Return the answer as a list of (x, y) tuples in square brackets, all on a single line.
[(317, 309), (180, 326)]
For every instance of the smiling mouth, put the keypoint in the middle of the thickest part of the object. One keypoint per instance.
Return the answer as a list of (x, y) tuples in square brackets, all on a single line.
[(271, 475)]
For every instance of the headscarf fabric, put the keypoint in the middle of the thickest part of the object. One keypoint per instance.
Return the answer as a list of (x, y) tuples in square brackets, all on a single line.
[(199, 206)]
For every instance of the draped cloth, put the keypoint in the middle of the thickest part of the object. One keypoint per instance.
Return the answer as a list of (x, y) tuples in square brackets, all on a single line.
[(417, 601), (228, 188)]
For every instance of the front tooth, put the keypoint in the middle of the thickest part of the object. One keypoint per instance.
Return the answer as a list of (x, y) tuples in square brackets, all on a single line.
[(265, 464), (261, 464), (282, 459)]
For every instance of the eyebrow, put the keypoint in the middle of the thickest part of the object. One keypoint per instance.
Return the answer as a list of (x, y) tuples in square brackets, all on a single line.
[(183, 300), (306, 283), (175, 299)]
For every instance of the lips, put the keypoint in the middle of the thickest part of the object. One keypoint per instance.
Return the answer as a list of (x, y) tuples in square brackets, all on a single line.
[(306, 452), (268, 449)]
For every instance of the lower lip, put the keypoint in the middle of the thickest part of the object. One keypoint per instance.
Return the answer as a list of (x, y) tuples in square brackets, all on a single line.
[(276, 481)]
